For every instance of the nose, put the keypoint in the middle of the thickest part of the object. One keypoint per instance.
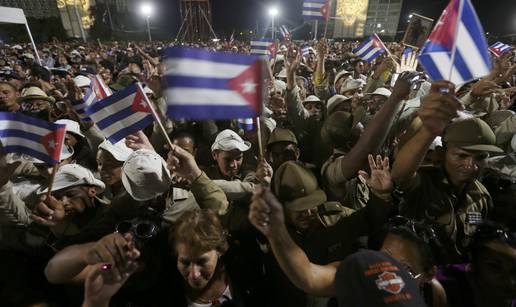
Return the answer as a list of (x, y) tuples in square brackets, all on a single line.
[(194, 271), (233, 164)]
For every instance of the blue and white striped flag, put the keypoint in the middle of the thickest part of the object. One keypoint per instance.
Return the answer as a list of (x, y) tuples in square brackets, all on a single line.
[(500, 48), (246, 124), (406, 52), (316, 9), (34, 137), (98, 90), (203, 84), (123, 113), (285, 33), (456, 50), (262, 46), (370, 49)]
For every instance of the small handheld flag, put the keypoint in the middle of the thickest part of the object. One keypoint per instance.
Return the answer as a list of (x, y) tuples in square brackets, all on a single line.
[(122, 113), (500, 48), (285, 33), (34, 137), (456, 50), (263, 46), (246, 124), (98, 90), (370, 49), (316, 9)]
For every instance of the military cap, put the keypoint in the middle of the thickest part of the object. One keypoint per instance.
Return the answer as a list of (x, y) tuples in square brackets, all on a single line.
[(471, 134), (296, 187), (336, 100), (337, 128), (281, 135), (351, 84)]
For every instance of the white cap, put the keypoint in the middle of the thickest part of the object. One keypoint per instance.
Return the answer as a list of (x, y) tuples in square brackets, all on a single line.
[(119, 151), (145, 175), (280, 86), (71, 126), (71, 175), (228, 140), (334, 101), (382, 91), (437, 142), (268, 123), (351, 84), (82, 81), (339, 75), (312, 98)]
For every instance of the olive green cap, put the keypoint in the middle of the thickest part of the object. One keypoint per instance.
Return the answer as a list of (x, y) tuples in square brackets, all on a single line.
[(296, 187), (281, 135), (471, 134), (337, 128)]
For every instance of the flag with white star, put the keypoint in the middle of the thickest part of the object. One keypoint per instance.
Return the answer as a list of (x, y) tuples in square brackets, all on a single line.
[(123, 113), (30, 136), (202, 84)]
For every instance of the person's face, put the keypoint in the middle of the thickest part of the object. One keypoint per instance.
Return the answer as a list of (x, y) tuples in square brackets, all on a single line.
[(75, 199), (71, 139), (197, 270), (36, 105), (282, 152), (106, 76), (360, 68), (463, 166), (109, 168), (7, 96), (229, 162), (375, 103), (301, 220), (407, 253), (277, 105), (314, 108), (495, 270), (356, 93), (186, 143)]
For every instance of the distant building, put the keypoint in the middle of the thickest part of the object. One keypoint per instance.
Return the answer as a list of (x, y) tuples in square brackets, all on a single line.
[(34, 8), (358, 18)]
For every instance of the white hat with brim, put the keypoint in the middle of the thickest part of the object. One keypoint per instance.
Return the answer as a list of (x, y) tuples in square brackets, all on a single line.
[(82, 81), (312, 98), (381, 91), (334, 101), (339, 75), (71, 126), (71, 175), (229, 140), (351, 84), (119, 150), (145, 175), (34, 93)]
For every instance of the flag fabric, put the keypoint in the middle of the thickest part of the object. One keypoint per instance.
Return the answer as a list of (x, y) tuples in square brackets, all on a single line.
[(122, 113), (264, 46), (307, 50), (98, 90), (246, 124), (406, 52), (316, 9), (203, 84), (34, 137), (500, 48), (285, 33), (457, 44), (370, 49)]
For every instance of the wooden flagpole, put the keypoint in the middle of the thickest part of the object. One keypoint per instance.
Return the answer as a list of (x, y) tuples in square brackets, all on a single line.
[(259, 131)]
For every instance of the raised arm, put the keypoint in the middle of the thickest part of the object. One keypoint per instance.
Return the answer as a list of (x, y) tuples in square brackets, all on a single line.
[(266, 215)]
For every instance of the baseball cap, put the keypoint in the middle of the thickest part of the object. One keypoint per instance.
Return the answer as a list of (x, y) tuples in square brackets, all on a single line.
[(337, 128), (82, 81), (351, 84), (71, 175), (145, 175), (382, 91), (118, 150), (334, 101), (312, 98), (372, 278), (281, 135), (71, 126), (228, 140), (471, 134), (296, 187)]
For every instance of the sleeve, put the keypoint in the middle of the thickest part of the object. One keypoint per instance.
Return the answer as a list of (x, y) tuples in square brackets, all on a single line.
[(235, 189), (322, 87), (209, 194), (505, 131), (373, 84), (12, 208), (295, 110)]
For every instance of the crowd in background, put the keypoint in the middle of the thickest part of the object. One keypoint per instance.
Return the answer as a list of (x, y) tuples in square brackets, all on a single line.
[(376, 186)]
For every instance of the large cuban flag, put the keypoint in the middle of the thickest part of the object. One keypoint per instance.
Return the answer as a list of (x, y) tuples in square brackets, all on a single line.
[(456, 50), (316, 9), (34, 137), (203, 84)]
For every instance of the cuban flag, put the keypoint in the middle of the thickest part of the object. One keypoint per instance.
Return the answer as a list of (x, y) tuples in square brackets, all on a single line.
[(246, 124), (285, 33), (264, 46), (316, 9), (406, 52), (370, 49), (202, 84), (500, 48), (34, 137), (122, 113), (456, 50), (98, 90)]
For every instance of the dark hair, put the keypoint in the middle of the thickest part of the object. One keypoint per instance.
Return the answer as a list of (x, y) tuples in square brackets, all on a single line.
[(488, 232), (40, 72), (10, 85), (183, 133)]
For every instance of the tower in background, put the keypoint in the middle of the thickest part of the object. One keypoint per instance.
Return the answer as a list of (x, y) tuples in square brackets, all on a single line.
[(196, 21)]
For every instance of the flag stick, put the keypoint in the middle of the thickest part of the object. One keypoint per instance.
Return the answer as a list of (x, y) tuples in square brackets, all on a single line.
[(156, 117), (259, 131), (51, 179), (326, 27), (316, 28)]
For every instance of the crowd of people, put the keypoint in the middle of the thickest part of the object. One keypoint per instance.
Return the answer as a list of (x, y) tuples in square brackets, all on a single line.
[(375, 186)]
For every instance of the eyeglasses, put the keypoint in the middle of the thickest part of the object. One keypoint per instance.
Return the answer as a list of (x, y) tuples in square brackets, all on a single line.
[(140, 229)]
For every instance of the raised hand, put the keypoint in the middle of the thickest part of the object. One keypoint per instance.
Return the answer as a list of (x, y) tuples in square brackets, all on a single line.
[(181, 163), (48, 212), (266, 212), (406, 81), (380, 180), (264, 172), (408, 63), (138, 140), (483, 88)]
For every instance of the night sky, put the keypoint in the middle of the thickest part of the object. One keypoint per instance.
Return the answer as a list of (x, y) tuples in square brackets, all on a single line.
[(497, 16)]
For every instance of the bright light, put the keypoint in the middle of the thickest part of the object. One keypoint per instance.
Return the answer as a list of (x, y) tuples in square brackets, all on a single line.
[(215, 40), (273, 11), (379, 25), (146, 9), (410, 16), (383, 31)]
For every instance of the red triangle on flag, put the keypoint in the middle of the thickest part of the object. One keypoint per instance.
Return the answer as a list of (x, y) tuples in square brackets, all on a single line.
[(249, 85), (140, 103), (53, 142), (325, 9)]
